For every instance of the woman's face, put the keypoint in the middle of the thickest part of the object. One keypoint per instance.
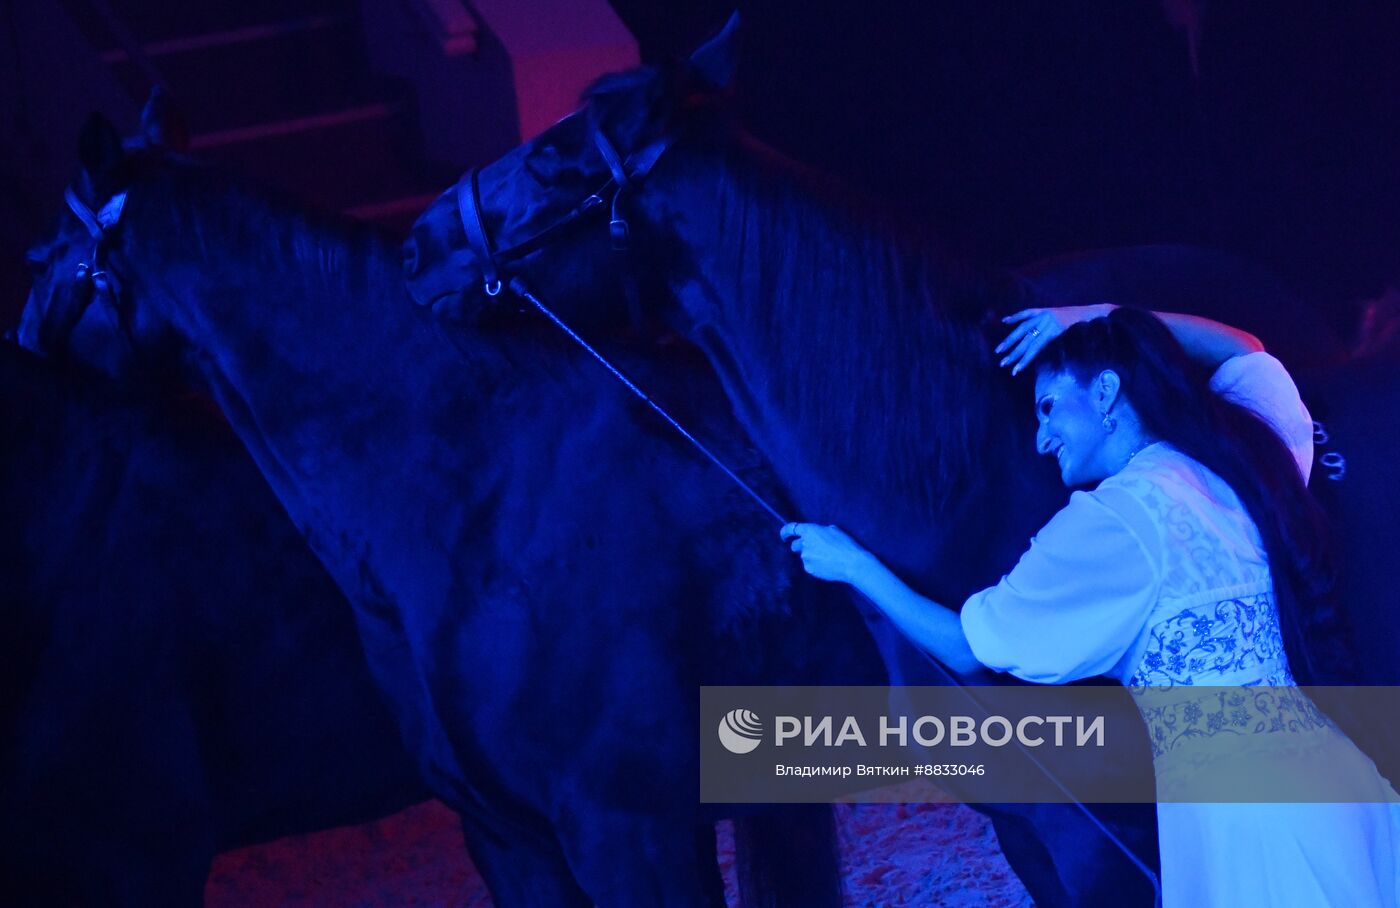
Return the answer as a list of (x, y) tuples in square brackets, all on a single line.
[(1071, 427)]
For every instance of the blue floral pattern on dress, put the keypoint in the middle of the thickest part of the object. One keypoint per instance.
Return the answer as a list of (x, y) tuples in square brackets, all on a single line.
[(1235, 642), (1177, 715), (1220, 642)]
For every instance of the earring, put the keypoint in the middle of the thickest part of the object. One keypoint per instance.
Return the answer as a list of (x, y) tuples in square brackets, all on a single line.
[(1109, 424)]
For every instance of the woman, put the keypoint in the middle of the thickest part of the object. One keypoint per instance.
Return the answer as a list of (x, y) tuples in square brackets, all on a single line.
[(1182, 567)]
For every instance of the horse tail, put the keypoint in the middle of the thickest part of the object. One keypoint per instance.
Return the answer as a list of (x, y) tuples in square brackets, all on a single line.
[(787, 857)]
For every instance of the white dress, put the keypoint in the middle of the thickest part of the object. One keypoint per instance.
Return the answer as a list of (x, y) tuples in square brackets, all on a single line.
[(1158, 578)]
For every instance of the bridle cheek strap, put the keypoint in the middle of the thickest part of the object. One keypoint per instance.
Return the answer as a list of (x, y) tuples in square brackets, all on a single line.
[(92, 281), (469, 211), (617, 226), (640, 163)]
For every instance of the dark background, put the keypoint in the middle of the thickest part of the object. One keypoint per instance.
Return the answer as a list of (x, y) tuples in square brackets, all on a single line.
[(1021, 129), (1026, 129)]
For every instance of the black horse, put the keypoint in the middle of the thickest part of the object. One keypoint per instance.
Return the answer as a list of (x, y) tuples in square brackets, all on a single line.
[(179, 675), (541, 573), (853, 354), (857, 358)]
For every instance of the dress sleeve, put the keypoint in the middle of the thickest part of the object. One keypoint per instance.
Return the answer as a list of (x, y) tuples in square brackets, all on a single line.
[(1259, 381), (1076, 602)]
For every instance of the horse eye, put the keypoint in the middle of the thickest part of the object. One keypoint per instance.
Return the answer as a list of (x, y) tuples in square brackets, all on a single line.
[(1045, 406), (544, 163)]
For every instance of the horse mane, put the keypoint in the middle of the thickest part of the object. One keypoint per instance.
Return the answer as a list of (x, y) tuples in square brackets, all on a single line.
[(220, 214), (875, 343)]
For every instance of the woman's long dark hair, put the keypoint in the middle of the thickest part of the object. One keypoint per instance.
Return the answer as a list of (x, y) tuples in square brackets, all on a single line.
[(1171, 395)]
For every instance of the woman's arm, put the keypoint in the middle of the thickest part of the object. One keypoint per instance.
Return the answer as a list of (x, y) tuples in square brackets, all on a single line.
[(1207, 341), (933, 628), (829, 554)]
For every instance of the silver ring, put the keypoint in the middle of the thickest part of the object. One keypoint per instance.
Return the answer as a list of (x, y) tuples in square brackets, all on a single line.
[(1035, 332)]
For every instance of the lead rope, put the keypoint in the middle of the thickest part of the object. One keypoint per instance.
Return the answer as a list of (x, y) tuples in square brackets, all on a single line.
[(519, 288), (1064, 789)]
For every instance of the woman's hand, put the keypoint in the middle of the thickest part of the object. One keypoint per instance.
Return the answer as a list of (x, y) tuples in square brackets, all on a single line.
[(1037, 327), (828, 553)]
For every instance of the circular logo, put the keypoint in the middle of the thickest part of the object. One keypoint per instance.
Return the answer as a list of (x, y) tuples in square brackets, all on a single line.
[(740, 731)]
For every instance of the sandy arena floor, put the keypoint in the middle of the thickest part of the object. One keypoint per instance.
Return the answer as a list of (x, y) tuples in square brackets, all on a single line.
[(919, 854)]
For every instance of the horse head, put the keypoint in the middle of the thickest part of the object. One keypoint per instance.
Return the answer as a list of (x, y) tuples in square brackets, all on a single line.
[(548, 211), (79, 305)]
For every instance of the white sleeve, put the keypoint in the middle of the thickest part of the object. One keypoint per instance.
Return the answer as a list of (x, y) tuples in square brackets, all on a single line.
[(1074, 605), (1259, 381)]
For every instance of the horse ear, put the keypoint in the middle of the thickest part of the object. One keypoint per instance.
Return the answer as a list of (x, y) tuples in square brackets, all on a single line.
[(716, 60), (162, 126), (99, 146)]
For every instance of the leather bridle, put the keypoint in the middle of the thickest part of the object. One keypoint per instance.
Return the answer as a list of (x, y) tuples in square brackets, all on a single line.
[(625, 177), (93, 279)]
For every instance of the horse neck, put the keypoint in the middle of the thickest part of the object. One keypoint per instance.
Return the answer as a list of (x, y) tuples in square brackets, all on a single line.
[(879, 414), (321, 366)]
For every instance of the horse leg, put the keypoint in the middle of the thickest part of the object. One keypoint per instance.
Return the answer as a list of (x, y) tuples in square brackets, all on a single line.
[(120, 875), (1095, 870), (521, 871), (1028, 858), (116, 815), (1084, 867), (707, 859), (788, 855), (624, 858)]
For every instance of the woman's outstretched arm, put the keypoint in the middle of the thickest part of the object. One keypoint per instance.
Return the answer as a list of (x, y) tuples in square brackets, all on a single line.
[(828, 553), (1207, 341)]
